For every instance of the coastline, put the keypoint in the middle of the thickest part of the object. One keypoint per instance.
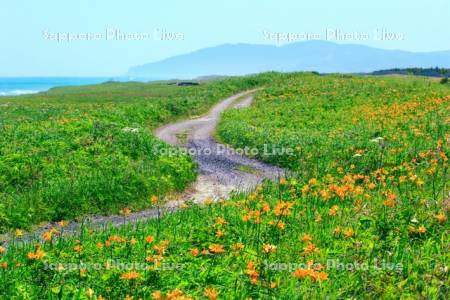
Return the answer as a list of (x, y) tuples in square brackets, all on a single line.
[(17, 86)]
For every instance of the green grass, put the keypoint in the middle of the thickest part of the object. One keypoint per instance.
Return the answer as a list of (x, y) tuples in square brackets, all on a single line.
[(392, 260), (367, 216), (247, 169), (324, 120), (183, 137), (90, 149)]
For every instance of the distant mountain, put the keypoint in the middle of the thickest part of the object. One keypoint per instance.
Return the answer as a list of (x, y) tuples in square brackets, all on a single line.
[(320, 56)]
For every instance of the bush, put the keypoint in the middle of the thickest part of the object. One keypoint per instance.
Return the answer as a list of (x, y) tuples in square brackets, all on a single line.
[(444, 80)]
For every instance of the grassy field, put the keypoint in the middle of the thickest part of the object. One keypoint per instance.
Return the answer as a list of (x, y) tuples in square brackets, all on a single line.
[(333, 121), (78, 150), (365, 217)]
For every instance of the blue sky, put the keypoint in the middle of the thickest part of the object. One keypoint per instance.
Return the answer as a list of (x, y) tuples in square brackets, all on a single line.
[(27, 50)]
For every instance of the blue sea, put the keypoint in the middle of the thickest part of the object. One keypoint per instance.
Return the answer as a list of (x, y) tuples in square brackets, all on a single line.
[(13, 86)]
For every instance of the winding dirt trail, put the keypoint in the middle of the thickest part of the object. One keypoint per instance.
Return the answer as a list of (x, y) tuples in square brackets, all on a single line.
[(221, 171)]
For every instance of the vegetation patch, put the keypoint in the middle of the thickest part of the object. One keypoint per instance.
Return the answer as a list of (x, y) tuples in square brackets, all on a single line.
[(367, 215), (90, 150), (249, 170)]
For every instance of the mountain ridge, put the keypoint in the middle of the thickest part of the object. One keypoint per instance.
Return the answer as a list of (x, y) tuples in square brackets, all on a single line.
[(320, 56)]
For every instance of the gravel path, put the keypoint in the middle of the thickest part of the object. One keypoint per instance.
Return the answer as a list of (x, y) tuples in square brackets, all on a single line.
[(221, 171)]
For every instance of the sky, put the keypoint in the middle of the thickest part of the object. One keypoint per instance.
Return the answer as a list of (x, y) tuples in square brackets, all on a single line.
[(109, 37)]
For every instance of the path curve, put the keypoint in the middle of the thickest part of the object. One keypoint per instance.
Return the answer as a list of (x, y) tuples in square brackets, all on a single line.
[(221, 172), (221, 169)]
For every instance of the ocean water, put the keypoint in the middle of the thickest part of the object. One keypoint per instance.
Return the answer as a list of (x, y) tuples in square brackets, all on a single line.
[(13, 86)]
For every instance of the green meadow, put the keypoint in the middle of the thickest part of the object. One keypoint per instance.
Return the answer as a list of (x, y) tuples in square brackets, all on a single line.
[(364, 216), (90, 150)]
